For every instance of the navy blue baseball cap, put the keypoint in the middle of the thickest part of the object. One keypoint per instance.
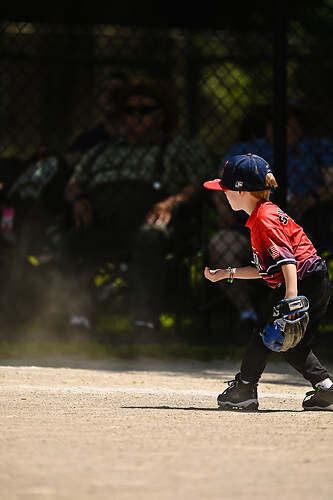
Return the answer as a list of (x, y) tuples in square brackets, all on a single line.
[(242, 173)]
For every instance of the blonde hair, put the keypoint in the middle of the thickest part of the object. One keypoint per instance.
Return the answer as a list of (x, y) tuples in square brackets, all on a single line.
[(264, 195)]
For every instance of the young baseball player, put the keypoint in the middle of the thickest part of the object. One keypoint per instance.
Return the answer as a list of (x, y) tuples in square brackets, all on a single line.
[(284, 257)]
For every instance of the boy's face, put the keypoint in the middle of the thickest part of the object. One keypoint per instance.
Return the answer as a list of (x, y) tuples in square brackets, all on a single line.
[(235, 199)]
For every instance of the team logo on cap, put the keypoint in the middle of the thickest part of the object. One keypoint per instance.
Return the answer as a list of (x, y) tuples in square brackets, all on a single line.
[(239, 184)]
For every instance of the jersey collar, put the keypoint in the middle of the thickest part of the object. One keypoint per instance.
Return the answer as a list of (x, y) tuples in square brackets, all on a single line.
[(251, 220)]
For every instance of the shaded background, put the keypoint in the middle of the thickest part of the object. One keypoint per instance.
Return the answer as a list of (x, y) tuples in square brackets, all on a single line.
[(223, 59)]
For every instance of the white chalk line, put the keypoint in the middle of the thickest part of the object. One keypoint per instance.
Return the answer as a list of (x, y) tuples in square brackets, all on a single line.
[(130, 390)]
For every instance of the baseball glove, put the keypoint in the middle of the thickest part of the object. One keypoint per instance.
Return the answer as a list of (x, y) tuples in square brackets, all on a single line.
[(283, 333)]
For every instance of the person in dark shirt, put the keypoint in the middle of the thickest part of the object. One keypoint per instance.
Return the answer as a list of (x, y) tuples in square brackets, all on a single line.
[(130, 195)]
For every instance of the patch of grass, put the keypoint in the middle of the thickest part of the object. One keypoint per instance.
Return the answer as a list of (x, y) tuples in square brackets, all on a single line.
[(130, 351), (115, 322), (92, 350)]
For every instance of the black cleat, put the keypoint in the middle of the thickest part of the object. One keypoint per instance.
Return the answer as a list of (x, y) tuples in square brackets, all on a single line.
[(319, 399), (239, 396)]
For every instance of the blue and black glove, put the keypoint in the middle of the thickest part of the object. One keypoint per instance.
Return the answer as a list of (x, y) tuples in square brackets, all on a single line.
[(283, 333)]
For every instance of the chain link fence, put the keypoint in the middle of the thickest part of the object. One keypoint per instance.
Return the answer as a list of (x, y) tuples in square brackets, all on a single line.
[(227, 99)]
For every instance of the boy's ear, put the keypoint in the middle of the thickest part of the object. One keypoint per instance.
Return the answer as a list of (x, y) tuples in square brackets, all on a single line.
[(244, 193)]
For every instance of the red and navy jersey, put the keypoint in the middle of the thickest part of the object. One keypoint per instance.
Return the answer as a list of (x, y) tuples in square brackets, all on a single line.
[(277, 240)]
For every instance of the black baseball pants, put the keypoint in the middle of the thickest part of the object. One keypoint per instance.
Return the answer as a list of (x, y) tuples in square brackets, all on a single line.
[(317, 288)]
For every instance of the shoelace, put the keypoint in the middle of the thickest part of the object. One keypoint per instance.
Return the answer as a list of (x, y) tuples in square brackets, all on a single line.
[(311, 393), (231, 384)]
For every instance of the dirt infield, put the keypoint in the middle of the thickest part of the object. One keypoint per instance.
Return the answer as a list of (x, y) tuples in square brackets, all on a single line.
[(149, 430)]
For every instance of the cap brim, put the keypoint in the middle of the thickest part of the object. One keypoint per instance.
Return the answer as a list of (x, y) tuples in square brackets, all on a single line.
[(215, 184)]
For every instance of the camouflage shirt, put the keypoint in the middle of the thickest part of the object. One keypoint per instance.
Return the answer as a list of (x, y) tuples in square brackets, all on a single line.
[(184, 161)]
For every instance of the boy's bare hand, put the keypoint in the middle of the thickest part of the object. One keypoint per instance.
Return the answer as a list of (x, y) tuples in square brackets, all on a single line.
[(215, 274)]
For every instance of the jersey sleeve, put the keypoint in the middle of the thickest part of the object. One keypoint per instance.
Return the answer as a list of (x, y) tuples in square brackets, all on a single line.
[(275, 247)]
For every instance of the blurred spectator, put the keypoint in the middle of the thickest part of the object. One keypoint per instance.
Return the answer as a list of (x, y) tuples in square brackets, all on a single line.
[(125, 193), (35, 213), (108, 128), (37, 193)]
